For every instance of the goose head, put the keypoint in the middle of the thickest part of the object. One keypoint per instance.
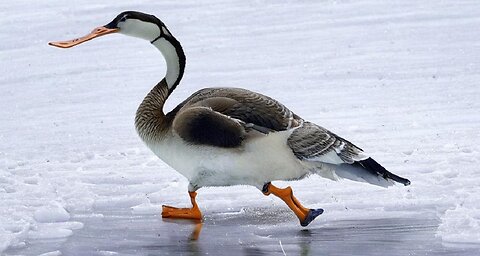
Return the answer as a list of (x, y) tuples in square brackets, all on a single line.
[(147, 27), (131, 23)]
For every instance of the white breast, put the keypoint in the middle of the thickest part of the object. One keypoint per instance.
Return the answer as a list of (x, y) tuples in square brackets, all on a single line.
[(260, 160)]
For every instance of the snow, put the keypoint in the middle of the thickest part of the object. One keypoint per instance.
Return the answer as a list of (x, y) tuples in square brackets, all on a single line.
[(459, 223), (54, 253), (397, 78), (49, 233), (146, 208), (51, 213)]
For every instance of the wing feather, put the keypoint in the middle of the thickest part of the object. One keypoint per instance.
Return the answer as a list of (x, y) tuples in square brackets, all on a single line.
[(245, 105), (201, 125), (314, 143)]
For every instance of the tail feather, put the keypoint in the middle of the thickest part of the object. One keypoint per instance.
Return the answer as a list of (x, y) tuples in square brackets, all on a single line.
[(375, 168), (367, 170)]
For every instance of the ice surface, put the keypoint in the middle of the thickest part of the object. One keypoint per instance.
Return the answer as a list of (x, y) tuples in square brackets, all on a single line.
[(397, 78), (252, 231)]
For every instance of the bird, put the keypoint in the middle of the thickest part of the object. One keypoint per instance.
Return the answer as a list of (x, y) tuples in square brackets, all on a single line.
[(223, 136)]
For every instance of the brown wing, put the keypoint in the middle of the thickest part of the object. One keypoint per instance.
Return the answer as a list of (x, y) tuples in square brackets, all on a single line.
[(245, 105), (225, 117)]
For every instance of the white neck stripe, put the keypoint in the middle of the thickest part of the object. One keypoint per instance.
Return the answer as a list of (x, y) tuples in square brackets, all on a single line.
[(171, 58)]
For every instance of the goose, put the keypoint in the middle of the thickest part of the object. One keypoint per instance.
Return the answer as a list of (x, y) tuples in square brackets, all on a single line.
[(231, 136)]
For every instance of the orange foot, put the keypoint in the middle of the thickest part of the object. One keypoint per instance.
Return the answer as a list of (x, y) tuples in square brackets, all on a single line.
[(183, 213), (305, 215)]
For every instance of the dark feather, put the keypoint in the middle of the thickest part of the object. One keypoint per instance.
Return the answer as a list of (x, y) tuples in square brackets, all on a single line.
[(200, 125), (375, 168)]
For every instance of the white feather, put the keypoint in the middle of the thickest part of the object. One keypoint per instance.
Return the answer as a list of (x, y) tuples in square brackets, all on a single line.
[(171, 58), (355, 173), (141, 29), (331, 157), (260, 160)]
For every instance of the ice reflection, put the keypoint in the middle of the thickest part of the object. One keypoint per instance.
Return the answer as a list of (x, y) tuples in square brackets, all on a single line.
[(196, 231), (246, 233)]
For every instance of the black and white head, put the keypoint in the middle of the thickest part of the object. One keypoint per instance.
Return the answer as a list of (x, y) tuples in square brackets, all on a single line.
[(139, 25), (131, 23), (144, 26)]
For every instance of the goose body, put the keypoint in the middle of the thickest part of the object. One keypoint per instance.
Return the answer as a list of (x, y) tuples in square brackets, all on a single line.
[(254, 163), (233, 136), (246, 156)]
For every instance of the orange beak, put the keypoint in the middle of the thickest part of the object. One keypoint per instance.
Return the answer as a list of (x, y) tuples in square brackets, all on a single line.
[(100, 31)]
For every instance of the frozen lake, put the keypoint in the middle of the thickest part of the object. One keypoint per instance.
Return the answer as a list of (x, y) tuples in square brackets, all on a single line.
[(247, 233), (400, 79)]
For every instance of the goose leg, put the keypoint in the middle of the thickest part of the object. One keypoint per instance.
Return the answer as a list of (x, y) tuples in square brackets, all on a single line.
[(305, 215), (183, 213)]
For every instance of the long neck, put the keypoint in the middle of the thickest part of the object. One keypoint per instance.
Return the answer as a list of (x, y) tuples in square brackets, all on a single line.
[(174, 57), (150, 120)]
